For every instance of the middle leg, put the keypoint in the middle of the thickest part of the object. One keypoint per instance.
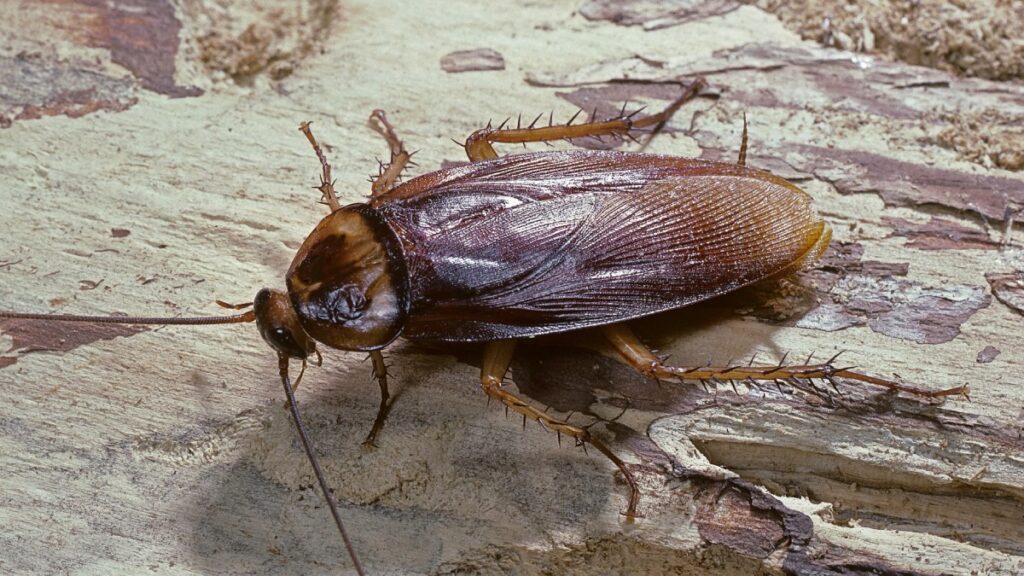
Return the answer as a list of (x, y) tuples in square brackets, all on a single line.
[(497, 357)]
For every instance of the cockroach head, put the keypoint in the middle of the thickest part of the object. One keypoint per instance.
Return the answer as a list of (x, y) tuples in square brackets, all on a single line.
[(279, 325), (348, 282)]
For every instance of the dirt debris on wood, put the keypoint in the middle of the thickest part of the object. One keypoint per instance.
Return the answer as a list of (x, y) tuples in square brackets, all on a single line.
[(240, 40), (977, 38), (987, 354)]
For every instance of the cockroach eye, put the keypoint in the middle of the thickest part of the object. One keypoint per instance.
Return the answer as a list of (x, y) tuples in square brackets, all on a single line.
[(279, 326)]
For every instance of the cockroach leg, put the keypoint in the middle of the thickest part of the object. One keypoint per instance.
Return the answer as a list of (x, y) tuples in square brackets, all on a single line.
[(742, 161), (296, 382), (497, 357), (399, 156), (326, 186), (380, 373), (298, 379), (479, 145), (635, 353)]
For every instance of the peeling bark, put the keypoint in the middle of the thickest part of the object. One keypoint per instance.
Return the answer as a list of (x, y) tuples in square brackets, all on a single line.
[(941, 234), (34, 88), (852, 93), (140, 35)]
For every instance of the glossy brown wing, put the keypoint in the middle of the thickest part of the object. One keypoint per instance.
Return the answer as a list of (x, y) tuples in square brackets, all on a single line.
[(540, 243)]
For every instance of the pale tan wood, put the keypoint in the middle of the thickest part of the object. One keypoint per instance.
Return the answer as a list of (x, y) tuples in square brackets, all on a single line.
[(169, 451)]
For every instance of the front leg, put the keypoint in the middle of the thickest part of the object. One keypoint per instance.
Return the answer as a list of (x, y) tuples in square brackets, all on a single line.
[(497, 357), (380, 374), (399, 155), (326, 187)]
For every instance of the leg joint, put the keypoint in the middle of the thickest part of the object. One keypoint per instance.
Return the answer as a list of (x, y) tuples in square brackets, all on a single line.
[(480, 134), (489, 382)]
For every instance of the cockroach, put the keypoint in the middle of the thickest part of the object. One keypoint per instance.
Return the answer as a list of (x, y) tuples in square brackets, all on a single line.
[(531, 244)]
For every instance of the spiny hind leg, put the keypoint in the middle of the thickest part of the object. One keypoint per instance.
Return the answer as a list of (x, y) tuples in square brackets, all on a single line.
[(479, 145), (635, 353), (400, 157), (497, 357)]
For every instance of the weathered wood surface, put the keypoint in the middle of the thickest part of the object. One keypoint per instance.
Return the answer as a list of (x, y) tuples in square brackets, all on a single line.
[(143, 175)]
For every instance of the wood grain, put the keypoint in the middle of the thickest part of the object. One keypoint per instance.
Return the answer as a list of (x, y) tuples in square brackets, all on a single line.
[(168, 450)]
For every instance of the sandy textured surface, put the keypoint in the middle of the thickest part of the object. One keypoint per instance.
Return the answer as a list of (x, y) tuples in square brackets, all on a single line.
[(978, 38), (143, 174)]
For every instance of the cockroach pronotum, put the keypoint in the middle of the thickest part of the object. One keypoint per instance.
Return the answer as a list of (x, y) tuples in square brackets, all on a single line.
[(527, 245)]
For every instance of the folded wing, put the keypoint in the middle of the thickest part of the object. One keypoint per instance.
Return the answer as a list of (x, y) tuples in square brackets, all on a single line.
[(552, 252)]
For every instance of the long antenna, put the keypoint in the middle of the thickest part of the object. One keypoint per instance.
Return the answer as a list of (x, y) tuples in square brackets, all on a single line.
[(283, 366), (246, 317)]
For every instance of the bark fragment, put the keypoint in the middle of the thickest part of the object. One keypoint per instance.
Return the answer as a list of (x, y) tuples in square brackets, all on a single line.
[(1008, 289), (480, 59), (657, 14), (940, 234)]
